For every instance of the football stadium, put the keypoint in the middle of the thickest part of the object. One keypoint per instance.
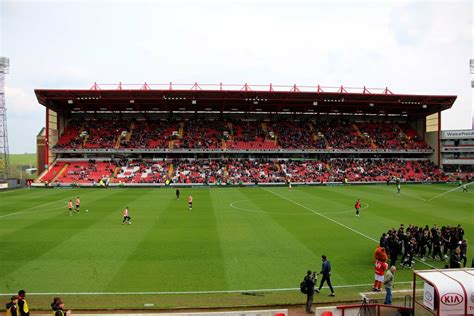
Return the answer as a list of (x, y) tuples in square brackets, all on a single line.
[(237, 199)]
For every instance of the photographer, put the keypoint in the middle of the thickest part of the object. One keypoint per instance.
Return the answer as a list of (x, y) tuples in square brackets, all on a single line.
[(309, 281)]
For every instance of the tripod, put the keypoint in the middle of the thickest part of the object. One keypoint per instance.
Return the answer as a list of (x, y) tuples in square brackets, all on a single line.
[(364, 309)]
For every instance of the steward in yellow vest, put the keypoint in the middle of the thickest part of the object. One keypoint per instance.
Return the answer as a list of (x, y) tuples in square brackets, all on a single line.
[(12, 307), (23, 308)]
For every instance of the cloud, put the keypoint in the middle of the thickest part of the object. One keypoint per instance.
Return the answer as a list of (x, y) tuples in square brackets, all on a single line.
[(409, 46), (20, 102)]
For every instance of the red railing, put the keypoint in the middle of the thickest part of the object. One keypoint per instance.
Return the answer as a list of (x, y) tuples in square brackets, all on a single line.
[(238, 87), (376, 307)]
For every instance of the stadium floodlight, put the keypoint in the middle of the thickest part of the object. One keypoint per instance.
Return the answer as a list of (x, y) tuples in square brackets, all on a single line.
[(4, 149), (471, 64), (5, 64)]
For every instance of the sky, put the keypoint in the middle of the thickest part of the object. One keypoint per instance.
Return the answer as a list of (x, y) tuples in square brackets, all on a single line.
[(419, 47)]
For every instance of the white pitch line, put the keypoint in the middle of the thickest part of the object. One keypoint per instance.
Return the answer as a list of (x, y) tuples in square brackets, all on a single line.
[(403, 192), (351, 211), (191, 292), (43, 211), (394, 291), (285, 213), (320, 214), (449, 191), (30, 208), (12, 190), (414, 196), (334, 221), (342, 212)]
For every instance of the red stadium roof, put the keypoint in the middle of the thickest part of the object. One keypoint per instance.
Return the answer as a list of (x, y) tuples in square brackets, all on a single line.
[(241, 98)]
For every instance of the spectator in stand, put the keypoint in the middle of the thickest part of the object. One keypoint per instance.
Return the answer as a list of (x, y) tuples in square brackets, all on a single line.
[(209, 134)]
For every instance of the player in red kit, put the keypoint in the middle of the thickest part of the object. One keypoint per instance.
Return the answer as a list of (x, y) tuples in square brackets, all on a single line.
[(357, 207)]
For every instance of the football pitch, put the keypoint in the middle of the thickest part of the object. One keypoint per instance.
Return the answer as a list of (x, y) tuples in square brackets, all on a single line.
[(238, 246)]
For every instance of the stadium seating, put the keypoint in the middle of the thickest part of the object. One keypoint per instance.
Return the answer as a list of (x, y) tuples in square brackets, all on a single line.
[(140, 171), (234, 171), (232, 135), (86, 171), (238, 135)]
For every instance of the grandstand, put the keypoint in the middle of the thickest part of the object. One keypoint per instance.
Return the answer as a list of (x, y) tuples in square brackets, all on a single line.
[(238, 134)]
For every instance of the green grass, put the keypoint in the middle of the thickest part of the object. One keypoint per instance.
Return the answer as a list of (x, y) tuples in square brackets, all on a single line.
[(23, 159), (19, 160), (233, 239)]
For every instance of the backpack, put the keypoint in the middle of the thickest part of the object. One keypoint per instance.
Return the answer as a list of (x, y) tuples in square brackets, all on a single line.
[(303, 287)]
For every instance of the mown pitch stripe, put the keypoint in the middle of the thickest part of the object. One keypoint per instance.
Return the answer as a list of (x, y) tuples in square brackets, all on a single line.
[(449, 191), (33, 207), (194, 292), (334, 221), (320, 214)]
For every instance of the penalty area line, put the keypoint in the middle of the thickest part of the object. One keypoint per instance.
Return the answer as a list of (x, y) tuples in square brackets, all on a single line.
[(449, 191), (191, 292), (33, 207)]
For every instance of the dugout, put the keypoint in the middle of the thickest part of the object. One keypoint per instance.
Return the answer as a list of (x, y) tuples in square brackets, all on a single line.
[(444, 292)]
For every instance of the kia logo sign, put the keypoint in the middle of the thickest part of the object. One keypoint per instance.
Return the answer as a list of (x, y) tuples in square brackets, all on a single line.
[(452, 299)]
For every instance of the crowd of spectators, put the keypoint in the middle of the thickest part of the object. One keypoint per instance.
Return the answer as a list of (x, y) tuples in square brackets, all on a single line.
[(363, 170), (71, 136), (234, 171), (339, 135), (142, 171), (435, 243), (235, 134), (390, 136), (202, 134)]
